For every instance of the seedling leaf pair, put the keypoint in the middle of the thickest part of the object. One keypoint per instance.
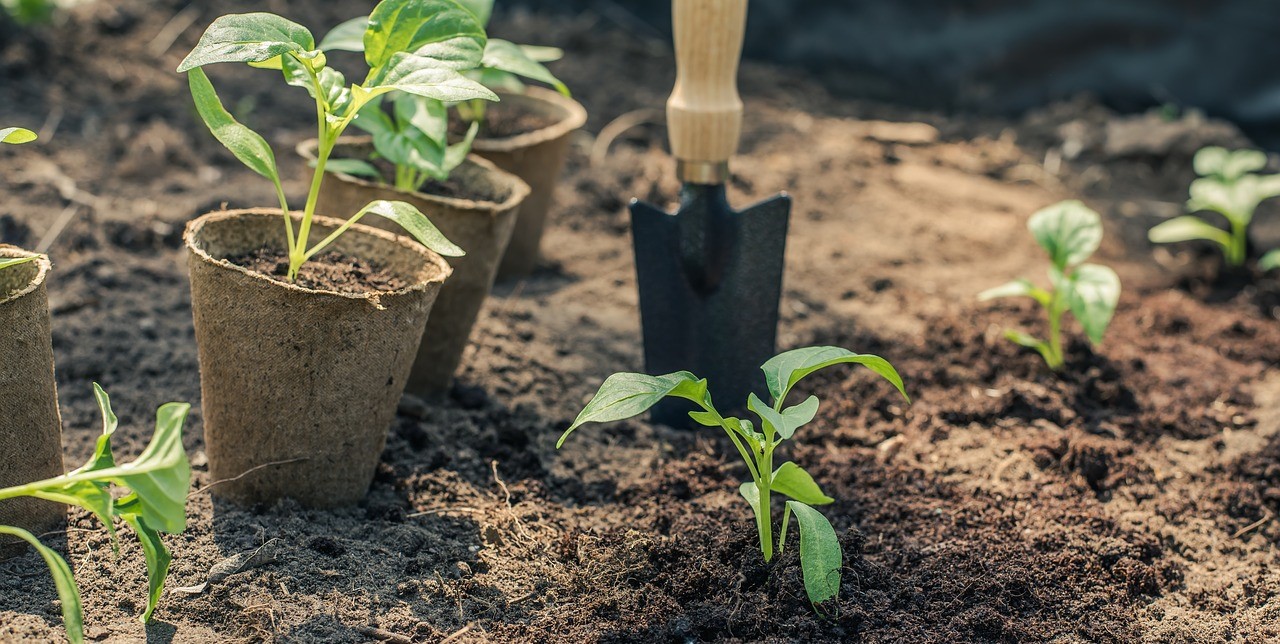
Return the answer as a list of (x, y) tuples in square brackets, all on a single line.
[(625, 395), (158, 481), (1070, 232)]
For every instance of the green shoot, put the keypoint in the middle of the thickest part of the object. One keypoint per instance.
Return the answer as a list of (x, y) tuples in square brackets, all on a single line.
[(1070, 232), (625, 395), (1228, 186), (418, 47), (1270, 261), (6, 262), (505, 63), (157, 482), (414, 137), (16, 135)]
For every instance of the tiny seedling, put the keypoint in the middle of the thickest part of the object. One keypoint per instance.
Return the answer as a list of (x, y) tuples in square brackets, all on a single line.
[(15, 136), (1070, 232), (417, 47), (1228, 186), (157, 482), (1270, 261), (625, 395)]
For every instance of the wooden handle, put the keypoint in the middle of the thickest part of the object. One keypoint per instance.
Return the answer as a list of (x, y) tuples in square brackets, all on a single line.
[(704, 113)]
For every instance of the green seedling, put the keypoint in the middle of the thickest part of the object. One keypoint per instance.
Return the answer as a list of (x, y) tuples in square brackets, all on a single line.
[(418, 47), (1228, 186), (1070, 232), (625, 395), (505, 63), (1270, 261), (36, 12), (414, 137), (15, 136), (157, 483)]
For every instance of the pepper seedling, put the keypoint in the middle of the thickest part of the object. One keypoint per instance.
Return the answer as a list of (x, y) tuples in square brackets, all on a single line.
[(1229, 186), (413, 46), (505, 63), (157, 482), (16, 136), (1070, 232), (625, 395)]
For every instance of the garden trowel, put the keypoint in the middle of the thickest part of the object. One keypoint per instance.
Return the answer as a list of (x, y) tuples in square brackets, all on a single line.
[(710, 277)]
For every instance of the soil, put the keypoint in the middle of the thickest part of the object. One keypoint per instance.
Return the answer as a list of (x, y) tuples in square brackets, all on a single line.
[(1132, 498), (328, 271), (500, 122)]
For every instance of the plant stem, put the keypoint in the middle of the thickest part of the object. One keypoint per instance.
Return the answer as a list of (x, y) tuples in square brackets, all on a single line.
[(764, 519), (1238, 252), (1055, 357)]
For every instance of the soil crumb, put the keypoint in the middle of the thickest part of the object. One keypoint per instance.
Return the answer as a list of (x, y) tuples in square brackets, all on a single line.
[(331, 271)]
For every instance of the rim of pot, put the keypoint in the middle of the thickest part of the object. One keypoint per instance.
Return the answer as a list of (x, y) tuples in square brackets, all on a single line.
[(441, 271), (517, 190), (43, 266), (574, 117)]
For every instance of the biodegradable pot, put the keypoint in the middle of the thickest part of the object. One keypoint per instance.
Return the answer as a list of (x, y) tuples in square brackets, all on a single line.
[(300, 385), (30, 427), (481, 228), (538, 159)]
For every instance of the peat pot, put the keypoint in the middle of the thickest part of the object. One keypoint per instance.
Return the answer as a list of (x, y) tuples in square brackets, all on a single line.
[(30, 428), (299, 386), (536, 157), (482, 228)]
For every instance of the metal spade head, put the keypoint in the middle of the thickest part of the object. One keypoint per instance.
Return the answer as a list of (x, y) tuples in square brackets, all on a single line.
[(710, 281)]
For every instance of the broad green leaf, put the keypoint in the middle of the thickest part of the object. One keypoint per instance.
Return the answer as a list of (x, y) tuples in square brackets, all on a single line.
[(625, 395), (793, 481), (16, 135), (1236, 200), (353, 167), (1187, 228), (161, 475), (1093, 295), (751, 492), (820, 556), (1270, 261), (1069, 230), (6, 262), (416, 224), (430, 117), (333, 85), (457, 153), (348, 36), (1017, 288), (63, 580), (800, 415), (771, 418), (783, 371), (1228, 165), (423, 77), (747, 430), (483, 9), (247, 146), (705, 418), (248, 38), (154, 552), (506, 56), (543, 54), (439, 30)]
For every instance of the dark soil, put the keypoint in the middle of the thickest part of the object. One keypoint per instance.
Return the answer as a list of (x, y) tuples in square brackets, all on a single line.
[(328, 271), (501, 121), (1131, 498)]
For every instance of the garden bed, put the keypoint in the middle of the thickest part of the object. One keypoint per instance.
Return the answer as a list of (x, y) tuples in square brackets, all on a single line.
[(1133, 497)]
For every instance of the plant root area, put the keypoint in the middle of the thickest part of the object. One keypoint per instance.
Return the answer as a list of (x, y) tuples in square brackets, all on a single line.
[(1131, 498)]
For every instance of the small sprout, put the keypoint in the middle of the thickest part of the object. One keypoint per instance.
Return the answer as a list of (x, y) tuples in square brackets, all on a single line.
[(1270, 261), (1070, 232), (419, 47), (1228, 186), (625, 395), (157, 482)]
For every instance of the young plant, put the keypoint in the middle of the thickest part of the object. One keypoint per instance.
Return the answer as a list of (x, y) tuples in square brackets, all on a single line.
[(157, 482), (15, 136), (624, 395), (417, 47), (1070, 232), (414, 137), (505, 63), (1228, 186)]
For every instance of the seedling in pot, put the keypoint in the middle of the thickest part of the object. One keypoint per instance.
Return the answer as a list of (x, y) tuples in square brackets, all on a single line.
[(157, 483), (625, 395), (505, 63), (1070, 232), (15, 136), (1228, 186), (418, 47)]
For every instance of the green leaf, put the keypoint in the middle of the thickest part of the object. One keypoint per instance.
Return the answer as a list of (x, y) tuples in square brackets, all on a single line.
[(6, 262), (16, 135), (440, 30), (161, 475), (333, 85), (248, 38), (482, 9), (783, 371), (1270, 261), (543, 54), (1020, 338), (1187, 228), (353, 167), (457, 153), (428, 116), (751, 492), (247, 146), (155, 553), (820, 556), (705, 418), (793, 481), (1069, 230), (63, 580), (1228, 165), (772, 419), (1236, 200), (508, 57), (424, 77), (416, 224), (348, 36), (1017, 288), (626, 395), (1093, 294), (799, 415)]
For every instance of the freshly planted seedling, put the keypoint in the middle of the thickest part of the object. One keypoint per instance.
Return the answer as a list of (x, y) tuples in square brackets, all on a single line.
[(417, 47), (157, 483), (1228, 186), (624, 395), (1070, 232)]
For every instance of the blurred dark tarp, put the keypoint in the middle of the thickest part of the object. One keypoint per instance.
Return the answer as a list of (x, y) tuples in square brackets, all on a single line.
[(1007, 55)]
